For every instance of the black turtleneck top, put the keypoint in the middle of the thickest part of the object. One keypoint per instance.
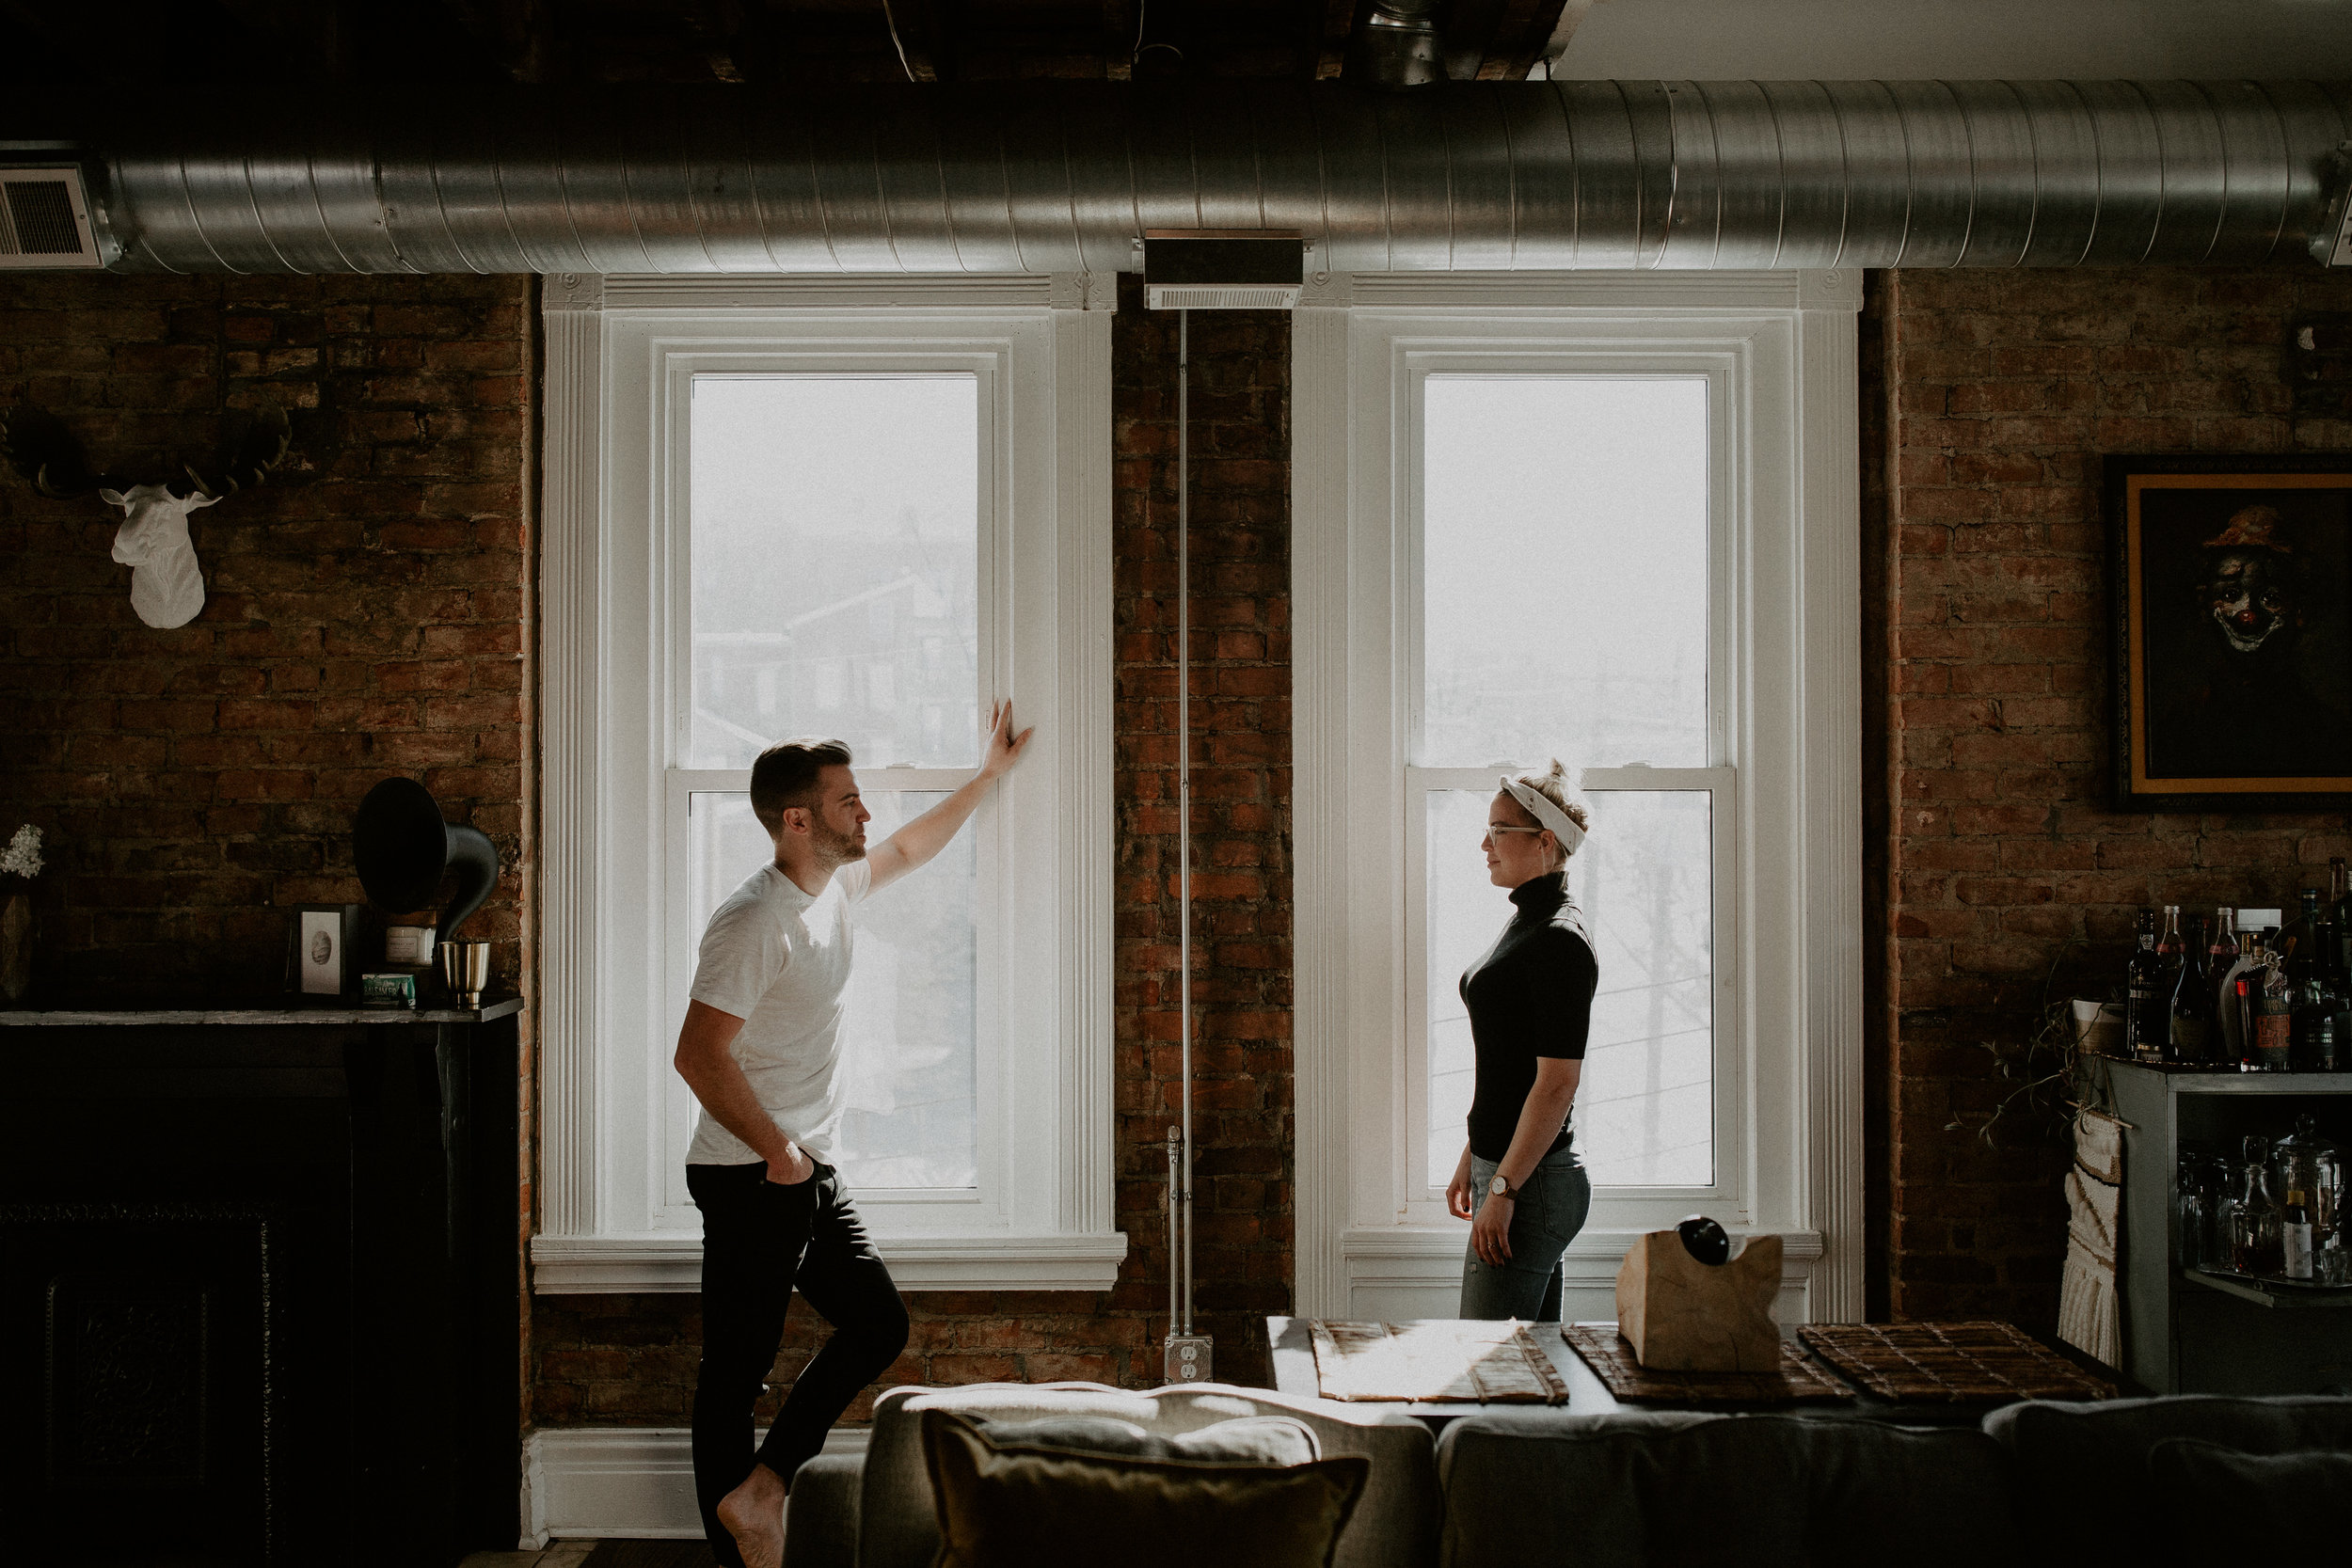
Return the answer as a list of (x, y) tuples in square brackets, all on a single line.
[(1531, 995)]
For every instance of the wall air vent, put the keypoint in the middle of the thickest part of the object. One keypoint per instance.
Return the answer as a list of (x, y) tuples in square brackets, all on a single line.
[(44, 219), (1223, 269)]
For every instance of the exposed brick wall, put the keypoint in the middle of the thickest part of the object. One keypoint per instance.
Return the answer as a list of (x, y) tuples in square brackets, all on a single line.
[(2001, 856), (368, 612), (631, 1359)]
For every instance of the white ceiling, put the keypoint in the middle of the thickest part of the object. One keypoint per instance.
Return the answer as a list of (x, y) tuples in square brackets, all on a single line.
[(1704, 40)]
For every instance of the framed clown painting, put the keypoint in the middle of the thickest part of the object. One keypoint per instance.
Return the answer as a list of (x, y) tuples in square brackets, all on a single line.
[(2232, 586)]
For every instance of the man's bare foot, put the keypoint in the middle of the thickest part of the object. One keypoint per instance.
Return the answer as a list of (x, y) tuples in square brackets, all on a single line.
[(754, 1514)]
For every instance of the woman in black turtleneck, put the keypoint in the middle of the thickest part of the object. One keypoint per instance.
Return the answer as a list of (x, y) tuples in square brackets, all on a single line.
[(1530, 999)]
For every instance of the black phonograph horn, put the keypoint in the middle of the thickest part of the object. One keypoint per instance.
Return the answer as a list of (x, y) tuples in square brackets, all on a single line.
[(402, 847)]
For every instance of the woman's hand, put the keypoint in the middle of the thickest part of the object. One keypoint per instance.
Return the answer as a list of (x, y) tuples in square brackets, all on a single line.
[(1490, 1232), (1457, 1192)]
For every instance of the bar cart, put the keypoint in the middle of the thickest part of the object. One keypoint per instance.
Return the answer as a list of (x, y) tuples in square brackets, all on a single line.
[(2188, 1330)]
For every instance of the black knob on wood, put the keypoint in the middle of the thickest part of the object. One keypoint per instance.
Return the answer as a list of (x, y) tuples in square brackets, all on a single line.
[(1704, 1239)]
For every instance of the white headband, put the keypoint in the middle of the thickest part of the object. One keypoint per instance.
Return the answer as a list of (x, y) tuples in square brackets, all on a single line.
[(1539, 806)]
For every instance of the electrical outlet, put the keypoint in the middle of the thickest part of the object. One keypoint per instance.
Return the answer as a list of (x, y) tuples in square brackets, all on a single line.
[(1187, 1358)]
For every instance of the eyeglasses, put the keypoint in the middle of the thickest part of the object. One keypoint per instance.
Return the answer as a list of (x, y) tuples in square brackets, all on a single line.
[(1493, 827)]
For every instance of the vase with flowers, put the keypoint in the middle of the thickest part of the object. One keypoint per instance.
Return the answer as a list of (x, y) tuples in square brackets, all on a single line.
[(19, 864)]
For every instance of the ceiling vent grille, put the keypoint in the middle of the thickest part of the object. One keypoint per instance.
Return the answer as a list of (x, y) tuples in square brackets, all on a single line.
[(1223, 269), (1215, 297), (45, 221)]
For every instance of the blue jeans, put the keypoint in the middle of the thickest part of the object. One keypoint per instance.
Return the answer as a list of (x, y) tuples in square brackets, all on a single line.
[(1549, 1212)]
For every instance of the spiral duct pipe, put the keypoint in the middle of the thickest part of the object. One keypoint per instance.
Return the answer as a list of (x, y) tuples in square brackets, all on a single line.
[(1064, 177)]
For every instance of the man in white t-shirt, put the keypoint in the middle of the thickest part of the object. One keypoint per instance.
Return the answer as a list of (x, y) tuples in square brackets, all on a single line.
[(761, 1049)]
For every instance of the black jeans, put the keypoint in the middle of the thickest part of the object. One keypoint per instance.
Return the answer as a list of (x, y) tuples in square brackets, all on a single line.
[(761, 1241)]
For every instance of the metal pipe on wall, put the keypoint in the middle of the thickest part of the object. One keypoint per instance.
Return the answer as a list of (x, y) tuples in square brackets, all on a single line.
[(1063, 177)]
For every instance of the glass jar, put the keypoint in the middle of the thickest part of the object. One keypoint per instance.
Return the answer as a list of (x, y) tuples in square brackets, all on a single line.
[(2256, 1247), (2199, 1184), (2309, 1163)]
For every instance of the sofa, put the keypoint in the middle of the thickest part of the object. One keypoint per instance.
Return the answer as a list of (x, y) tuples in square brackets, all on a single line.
[(2040, 1481), (874, 1510)]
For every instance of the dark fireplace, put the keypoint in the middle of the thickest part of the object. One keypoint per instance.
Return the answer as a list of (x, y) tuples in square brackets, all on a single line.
[(258, 1290)]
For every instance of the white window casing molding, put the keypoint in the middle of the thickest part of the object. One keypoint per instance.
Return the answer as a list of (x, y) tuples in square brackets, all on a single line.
[(618, 350), (1781, 347)]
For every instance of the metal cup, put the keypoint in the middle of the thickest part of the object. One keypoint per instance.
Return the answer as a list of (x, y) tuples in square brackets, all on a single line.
[(466, 970)]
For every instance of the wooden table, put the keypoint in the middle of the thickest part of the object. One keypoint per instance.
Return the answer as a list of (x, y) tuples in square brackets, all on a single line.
[(1295, 1374)]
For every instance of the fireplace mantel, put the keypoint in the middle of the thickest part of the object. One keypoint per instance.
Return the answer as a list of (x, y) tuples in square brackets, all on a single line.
[(116, 1018), (265, 1261)]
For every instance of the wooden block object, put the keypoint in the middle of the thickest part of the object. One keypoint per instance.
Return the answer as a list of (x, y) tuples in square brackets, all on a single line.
[(1684, 1316)]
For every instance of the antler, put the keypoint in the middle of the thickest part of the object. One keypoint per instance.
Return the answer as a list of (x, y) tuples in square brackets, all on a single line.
[(39, 446), (263, 448)]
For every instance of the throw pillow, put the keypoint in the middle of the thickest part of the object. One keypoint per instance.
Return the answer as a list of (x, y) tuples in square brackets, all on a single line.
[(2222, 1499), (1007, 1506), (1245, 1440)]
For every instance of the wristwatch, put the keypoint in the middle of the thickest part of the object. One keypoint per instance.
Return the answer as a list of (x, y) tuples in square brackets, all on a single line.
[(1500, 1188)]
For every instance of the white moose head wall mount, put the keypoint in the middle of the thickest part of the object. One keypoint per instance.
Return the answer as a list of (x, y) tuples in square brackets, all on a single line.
[(166, 585)]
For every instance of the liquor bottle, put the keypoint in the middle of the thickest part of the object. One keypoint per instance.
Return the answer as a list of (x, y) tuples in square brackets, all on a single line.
[(2143, 1004), (2274, 1020), (2294, 1237), (2254, 1241), (2300, 940), (2322, 999), (2247, 1000), (2223, 953), (2192, 1004), (2340, 909)]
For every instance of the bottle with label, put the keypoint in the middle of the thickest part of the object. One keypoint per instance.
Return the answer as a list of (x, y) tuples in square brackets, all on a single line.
[(2246, 1000), (2274, 1020), (2143, 1003), (2192, 1004), (2294, 1236), (2254, 1242), (2306, 1163)]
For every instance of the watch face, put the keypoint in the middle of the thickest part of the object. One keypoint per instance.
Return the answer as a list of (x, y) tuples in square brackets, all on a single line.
[(1498, 1187)]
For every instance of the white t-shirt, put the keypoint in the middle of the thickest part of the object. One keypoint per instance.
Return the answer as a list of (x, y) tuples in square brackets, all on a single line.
[(779, 960)]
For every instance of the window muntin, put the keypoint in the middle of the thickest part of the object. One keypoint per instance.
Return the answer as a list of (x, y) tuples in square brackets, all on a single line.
[(835, 566), (1565, 567)]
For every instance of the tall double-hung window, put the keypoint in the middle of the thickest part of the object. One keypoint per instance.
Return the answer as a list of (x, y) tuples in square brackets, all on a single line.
[(865, 512), (1609, 520)]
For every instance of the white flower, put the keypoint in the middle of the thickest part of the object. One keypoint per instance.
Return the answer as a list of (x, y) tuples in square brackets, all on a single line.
[(23, 858)]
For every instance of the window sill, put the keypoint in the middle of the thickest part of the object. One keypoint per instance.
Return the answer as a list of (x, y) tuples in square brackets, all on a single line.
[(606, 1265)]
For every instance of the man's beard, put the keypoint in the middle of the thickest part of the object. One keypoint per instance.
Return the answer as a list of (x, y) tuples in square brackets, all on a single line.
[(835, 848)]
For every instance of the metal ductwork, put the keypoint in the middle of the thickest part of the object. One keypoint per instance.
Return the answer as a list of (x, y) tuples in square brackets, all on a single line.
[(1398, 47), (1067, 177)]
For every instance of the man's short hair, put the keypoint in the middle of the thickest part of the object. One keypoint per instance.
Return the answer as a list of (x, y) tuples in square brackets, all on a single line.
[(785, 776)]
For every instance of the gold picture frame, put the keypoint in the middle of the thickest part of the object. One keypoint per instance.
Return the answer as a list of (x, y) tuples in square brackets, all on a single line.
[(2233, 619)]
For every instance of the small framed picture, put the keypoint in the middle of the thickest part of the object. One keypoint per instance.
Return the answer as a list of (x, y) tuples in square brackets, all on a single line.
[(323, 956), (2233, 665)]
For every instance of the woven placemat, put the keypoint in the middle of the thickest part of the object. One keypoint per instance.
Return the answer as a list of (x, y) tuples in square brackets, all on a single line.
[(1611, 1357), (1951, 1363), (1438, 1362)]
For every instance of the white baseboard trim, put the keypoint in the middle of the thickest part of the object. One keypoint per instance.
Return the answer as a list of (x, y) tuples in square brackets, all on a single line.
[(620, 1482)]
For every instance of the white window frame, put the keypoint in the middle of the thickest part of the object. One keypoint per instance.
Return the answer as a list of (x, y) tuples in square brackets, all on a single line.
[(615, 956), (1778, 350)]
